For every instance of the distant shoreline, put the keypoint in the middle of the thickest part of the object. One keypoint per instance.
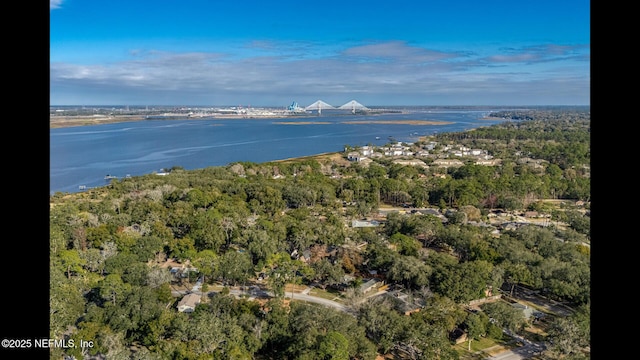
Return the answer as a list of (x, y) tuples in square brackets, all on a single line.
[(74, 121), (56, 122), (84, 120)]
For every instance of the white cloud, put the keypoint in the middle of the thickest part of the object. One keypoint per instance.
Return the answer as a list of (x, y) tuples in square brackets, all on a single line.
[(381, 73), (54, 4)]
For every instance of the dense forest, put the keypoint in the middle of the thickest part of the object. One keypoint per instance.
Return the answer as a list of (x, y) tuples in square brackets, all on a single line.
[(245, 221)]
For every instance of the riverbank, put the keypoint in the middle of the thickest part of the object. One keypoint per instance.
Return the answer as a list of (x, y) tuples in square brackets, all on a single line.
[(71, 121), (144, 143)]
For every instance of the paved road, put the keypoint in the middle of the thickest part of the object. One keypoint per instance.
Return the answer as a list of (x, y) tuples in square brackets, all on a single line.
[(257, 292), (548, 305), (529, 349), (523, 352), (319, 300)]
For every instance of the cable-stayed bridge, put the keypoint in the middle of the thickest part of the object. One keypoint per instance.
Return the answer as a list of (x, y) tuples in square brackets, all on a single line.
[(321, 105)]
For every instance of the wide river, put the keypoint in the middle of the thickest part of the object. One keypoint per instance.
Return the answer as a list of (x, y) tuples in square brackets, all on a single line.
[(81, 157)]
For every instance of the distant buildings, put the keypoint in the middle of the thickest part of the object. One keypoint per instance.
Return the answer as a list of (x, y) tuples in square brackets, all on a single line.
[(408, 154)]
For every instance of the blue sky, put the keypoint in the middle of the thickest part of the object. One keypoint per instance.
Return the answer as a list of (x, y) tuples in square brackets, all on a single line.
[(270, 53)]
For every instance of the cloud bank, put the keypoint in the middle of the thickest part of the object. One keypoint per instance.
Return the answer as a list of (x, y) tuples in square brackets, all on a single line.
[(386, 73)]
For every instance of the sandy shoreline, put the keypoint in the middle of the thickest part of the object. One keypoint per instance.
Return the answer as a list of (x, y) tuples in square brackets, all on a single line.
[(71, 121)]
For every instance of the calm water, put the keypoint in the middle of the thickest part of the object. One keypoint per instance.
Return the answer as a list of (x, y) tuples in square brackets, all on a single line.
[(82, 156)]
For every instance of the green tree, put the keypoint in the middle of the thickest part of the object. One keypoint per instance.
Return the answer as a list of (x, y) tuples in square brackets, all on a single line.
[(476, 326), (276, 335), (113, 289), (409, 271), (147, 247), (515, 274), (569, 336), (382, 324), (420, 195), (424, 228), (333, 346), (505, 315), (206, 231), (442, 312), (327, 273), (207, 262), (406, 245), (96, 236), (463, 282), (380, 257), (66, 303), (93, 260), (283, 270), (235, 267), (260, 245), (119, 263), (394, 223), (72, 262)]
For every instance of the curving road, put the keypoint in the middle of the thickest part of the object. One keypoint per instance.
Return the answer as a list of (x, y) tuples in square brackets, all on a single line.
[(529, 350), (257, 292)]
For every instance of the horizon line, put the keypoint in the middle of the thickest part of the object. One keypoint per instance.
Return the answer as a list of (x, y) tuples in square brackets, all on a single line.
[(254, 106)]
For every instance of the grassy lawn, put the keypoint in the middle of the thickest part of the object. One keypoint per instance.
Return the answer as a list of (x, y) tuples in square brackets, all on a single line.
[(326, 294), (484, 348), (480, 349), (534, 334), (296, 289)]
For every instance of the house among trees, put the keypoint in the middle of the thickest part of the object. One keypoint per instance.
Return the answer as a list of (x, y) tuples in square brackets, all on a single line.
[(371, 285), (488, 162), (447, 163), (188, 303), (364, 223), (404, 303), (181, 270), (533, 163), (458, 336), (355, 156), (411, 162)]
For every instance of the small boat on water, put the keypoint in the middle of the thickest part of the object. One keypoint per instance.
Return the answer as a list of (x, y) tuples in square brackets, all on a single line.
[(109, 177)]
